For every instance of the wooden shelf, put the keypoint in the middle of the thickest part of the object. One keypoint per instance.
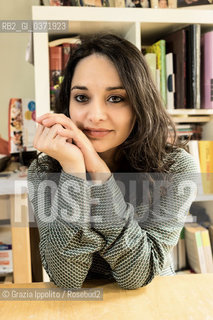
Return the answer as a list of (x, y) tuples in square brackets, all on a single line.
[(191, 115), (194, 119), (191, 112), (204, 197)]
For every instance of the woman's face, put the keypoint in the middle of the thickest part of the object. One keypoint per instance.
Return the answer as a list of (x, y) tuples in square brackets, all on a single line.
[(99, 101)]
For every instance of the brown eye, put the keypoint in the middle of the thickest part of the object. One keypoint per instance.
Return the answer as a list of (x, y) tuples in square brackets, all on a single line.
[(81, 98), (116, 99)]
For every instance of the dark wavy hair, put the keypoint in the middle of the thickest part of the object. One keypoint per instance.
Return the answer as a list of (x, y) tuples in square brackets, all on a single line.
[(147, 146)]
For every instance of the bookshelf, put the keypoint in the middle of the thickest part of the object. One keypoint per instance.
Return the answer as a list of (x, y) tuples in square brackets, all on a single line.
[(140, 26)]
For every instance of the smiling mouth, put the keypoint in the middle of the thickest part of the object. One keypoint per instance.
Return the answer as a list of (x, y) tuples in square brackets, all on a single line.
[(96, 134)]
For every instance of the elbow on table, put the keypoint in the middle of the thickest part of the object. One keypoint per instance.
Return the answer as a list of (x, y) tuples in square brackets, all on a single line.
[(134, 282)]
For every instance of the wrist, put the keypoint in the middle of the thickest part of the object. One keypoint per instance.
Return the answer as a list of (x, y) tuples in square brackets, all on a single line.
[(101, 174), (78, 170)]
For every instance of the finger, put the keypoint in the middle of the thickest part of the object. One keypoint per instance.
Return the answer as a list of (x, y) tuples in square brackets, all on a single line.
[(60, 138), (41, 118), (65, 133), (52, 131), (52, 119), (39, 131)]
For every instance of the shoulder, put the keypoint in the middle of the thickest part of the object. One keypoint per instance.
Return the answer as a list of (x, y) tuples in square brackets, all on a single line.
[(183, 162)]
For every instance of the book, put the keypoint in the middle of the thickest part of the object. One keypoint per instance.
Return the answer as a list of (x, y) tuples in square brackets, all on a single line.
[(206, 164), (193, 57), (170, 81), (211, 235), (207, 70), (151, 60), (194, 248), (181, 251), (159, 48), (174, 255), (176, 44), (207, 247), (194, 151), (6, 260)]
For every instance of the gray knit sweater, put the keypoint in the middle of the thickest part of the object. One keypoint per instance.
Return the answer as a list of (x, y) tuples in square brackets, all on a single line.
[(89, 230)]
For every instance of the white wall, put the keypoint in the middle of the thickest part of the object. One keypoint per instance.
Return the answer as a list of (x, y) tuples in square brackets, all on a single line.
[(16, 75)]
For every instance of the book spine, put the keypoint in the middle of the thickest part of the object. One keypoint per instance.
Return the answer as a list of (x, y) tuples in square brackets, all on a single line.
[(193, 66), (162, 67), (181, 251), (201, 254), (160, 49), (207, 74), (207, 250), (206, 165)]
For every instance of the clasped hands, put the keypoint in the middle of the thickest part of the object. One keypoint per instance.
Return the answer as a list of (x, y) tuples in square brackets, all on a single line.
[(59, 137)]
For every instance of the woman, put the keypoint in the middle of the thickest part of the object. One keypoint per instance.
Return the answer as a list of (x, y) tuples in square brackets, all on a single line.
[(109, 119)]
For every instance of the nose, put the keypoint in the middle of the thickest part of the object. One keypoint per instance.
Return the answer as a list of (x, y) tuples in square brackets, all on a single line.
[(97, 112)]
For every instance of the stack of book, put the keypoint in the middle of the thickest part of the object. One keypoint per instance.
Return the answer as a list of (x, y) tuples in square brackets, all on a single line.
[(194, 248), (178, 62)]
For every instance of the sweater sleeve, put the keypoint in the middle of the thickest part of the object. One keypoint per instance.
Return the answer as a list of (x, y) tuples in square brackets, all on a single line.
[(61, 206), (138, 241)]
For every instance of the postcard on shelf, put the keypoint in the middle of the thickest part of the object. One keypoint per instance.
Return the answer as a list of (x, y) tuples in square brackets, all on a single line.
[(21, 125)]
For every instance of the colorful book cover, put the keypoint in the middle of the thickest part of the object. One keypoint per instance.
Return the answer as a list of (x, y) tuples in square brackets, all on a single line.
[(159, 48), (207, 70), (206, 165)]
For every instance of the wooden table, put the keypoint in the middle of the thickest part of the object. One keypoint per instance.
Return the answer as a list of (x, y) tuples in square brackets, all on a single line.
[(183, 297), (15, 188)]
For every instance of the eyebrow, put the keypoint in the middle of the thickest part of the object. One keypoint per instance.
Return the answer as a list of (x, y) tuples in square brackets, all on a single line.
[(108, 88)]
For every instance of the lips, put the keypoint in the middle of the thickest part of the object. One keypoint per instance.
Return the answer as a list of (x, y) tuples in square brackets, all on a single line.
[(97, 134)]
